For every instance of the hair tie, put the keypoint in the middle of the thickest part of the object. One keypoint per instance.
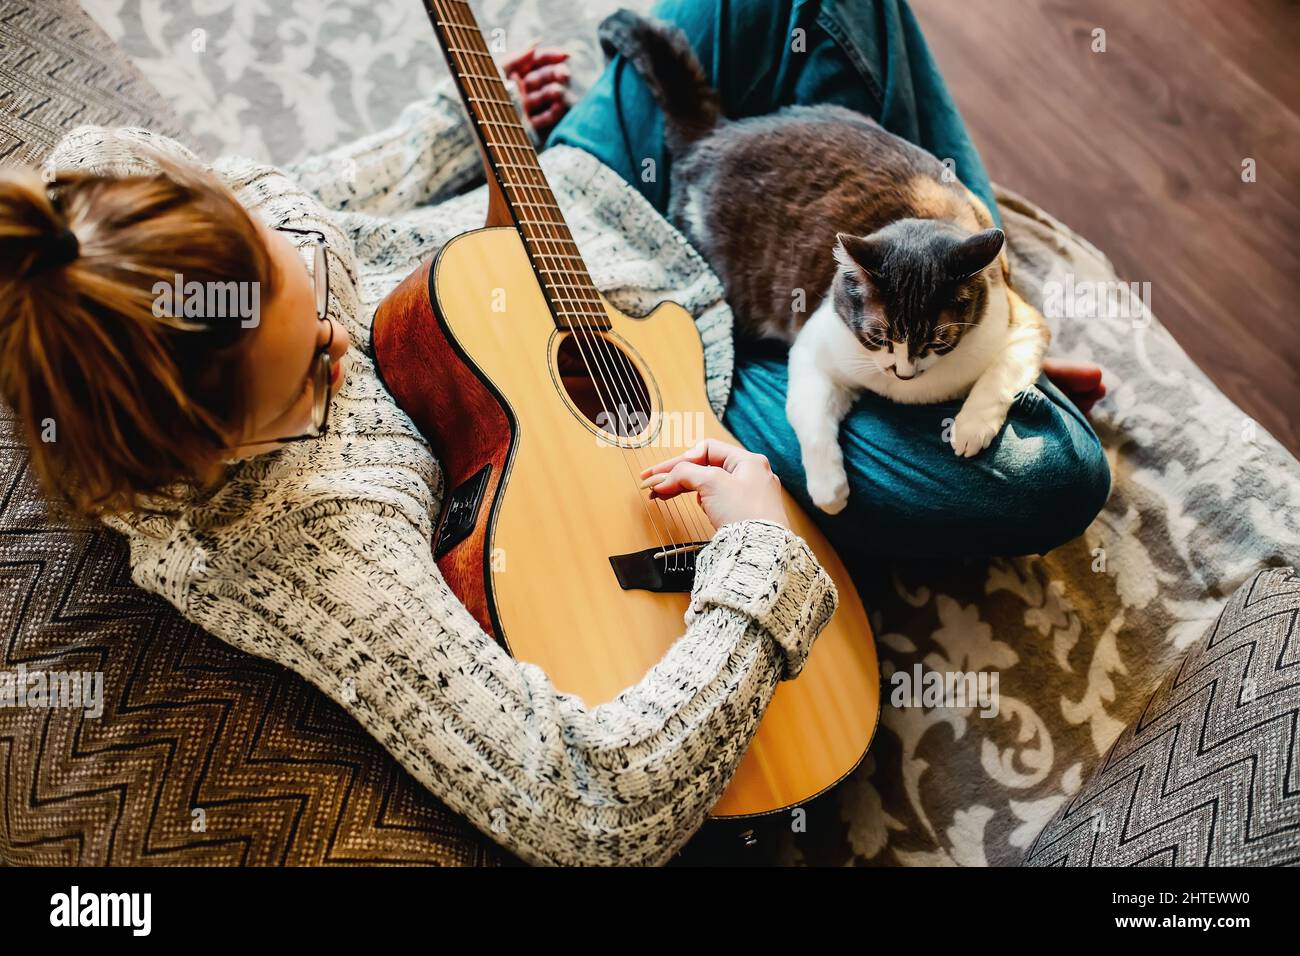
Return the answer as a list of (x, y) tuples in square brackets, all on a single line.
[(59, 251)]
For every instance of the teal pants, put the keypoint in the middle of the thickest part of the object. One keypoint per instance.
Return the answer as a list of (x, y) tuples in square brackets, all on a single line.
[(1045, 477)]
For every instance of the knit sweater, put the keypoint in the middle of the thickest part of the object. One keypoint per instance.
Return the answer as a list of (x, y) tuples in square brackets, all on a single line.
[(318, 555)]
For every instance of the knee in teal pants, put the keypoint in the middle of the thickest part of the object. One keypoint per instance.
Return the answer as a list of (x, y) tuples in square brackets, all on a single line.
[(1039, 484), (1045, 477)]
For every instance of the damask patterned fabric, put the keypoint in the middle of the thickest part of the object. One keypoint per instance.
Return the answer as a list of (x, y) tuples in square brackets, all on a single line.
[(1206, 775), (1202, 497)]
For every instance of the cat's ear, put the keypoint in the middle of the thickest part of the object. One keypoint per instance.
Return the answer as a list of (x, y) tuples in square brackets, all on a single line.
[(974, 254), (866, 253)]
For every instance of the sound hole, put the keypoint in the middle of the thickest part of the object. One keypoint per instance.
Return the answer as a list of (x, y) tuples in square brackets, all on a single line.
[(604, 384)]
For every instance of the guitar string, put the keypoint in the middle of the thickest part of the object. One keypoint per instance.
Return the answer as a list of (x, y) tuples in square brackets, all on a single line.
[(487, 104), (628, 380)]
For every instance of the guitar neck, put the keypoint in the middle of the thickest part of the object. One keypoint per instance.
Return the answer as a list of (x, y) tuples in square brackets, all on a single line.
[(512, 162)]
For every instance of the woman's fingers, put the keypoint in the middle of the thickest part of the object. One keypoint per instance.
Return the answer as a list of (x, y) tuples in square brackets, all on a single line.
[(541, 76), (711, 451), (521, 62), (543, 121), (548, 55), (684, 476), (543, 82), (733, 484), (551, 93), (533, 60), (1080, 381)]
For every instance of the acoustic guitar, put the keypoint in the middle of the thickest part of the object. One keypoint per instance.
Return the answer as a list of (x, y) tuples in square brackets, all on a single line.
[(544, 403)]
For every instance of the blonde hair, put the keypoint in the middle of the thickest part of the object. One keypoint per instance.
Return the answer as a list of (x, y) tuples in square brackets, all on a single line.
[(118, 402)]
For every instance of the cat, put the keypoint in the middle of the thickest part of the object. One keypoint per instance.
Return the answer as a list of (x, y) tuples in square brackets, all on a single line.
[(858, 249)]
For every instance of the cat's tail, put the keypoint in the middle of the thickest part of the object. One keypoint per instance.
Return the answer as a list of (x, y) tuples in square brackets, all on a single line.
[(664, 58)]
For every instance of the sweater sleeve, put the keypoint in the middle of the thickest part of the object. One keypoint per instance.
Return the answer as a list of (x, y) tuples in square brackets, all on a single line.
[(353, 601), (428, 154), (116, 151)]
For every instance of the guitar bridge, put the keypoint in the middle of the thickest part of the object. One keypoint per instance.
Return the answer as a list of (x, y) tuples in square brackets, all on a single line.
[(665, 570)]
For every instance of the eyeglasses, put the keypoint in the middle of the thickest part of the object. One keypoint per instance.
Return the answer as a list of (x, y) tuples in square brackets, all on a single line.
[(322, 370)]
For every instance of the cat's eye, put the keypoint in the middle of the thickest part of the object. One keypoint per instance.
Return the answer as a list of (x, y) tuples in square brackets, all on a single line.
[(942, 348)]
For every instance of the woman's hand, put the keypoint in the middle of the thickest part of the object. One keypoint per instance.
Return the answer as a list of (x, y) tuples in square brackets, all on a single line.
[(1080, 381), (543, 82), (733, 484)]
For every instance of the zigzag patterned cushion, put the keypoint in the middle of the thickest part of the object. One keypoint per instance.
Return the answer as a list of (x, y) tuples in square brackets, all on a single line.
[(58, 70), (202, 755), (1207, 775)]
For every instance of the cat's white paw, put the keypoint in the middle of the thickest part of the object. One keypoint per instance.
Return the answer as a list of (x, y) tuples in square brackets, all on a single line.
[(974, 429), (829, 489)]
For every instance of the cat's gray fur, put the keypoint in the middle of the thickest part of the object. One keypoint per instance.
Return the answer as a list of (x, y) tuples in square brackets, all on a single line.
[(859, 249), (764, 198)]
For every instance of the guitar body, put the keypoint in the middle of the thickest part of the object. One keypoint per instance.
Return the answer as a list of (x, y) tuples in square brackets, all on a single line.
[(540, 498)]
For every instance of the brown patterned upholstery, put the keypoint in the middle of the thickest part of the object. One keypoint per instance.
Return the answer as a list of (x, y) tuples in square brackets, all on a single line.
[(202, 755)]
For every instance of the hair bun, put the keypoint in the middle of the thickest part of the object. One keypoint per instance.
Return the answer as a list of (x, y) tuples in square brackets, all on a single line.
[(61, 249)]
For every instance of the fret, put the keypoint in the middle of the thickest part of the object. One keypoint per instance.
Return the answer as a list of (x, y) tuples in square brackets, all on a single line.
[(567, 285), (581, 286), (479, 53), (539, 222), (541, 187), (549, 273), (496, 144), (511, 125), (591, 308), (508, 126), (568, 242), (540, 205)]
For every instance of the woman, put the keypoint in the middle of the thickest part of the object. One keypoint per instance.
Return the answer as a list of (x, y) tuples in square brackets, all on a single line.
[(182, 428), (179, 343)]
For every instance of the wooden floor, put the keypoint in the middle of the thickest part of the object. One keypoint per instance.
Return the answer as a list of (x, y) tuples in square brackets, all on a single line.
[(1140, 149)]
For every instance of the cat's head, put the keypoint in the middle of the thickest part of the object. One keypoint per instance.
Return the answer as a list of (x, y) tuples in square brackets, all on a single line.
[(912, 290)]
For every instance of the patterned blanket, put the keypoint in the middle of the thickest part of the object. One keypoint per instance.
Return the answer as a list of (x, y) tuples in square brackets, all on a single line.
[(1077, 639)]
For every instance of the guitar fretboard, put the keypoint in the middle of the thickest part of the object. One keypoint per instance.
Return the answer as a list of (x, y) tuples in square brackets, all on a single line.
[(572, 296)]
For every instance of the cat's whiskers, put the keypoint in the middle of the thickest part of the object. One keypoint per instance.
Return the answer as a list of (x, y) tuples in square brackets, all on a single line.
[(870, 362)]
